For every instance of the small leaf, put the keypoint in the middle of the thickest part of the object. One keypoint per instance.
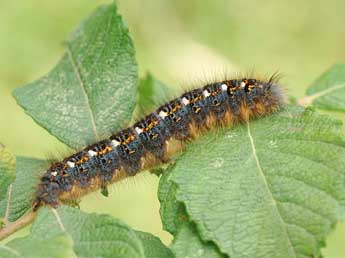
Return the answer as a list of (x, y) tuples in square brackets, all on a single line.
[(7, 171), (151, 93), (153, 246), (271, 188), (92, 90), (328, 91), (28, 171), (59, 246), (93, 235)]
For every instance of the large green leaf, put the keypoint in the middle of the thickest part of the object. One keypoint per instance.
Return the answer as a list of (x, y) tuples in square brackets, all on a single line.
[(92, 90), (328, 91), (59, 246), (97, 235), (18, 201), (270, 188)]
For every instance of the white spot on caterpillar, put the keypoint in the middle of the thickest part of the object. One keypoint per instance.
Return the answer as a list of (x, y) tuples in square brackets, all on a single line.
[(54, 173), (243, 84), (206, 93), (224, 87), (92, 153), (138, 130), (185, 101), (115, 143), (162, 114), (70, 164)]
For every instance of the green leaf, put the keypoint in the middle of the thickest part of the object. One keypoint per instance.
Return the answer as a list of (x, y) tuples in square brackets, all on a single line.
[(91, 92), (93, 235), (97, 235), (328, 91), (153, 246), (270, 188), (187, 243), (7, 170), (59, 246), (172, 212), (28, 171), (151, 93)]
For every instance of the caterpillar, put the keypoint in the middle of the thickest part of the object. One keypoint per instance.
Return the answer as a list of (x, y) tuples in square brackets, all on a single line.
[(150, 141)]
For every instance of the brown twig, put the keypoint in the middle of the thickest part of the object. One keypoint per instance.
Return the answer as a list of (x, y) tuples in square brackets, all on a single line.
[(10, 228)]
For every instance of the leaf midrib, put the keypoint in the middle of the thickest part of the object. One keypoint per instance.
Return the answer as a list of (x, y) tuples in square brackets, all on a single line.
[(8, 203), (326, 91), (58, 219), (79, 77), (82, 86), (263, 177), (63, 229), (12, 251)]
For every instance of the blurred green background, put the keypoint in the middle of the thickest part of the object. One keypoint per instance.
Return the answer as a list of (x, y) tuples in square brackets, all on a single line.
[(179, 42)]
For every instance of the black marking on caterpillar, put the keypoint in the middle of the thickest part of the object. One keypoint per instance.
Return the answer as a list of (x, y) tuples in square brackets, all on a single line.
[(147, 142)]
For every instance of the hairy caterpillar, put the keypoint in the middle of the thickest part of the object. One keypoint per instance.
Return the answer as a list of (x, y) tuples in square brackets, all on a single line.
[(148, 142)]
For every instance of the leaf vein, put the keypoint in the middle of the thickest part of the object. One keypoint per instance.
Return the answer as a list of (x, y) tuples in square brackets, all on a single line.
[(311, 160), (261, 173), (8, 204), (82, 86), (13, 251), (337, 145), (304, 229), (311, 186), (58, 219), (306, 208), (311, 98), (101, 51), (305, 182)]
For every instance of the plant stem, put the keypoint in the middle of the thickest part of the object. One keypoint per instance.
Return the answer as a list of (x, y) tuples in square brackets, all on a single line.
[(10, 228)]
